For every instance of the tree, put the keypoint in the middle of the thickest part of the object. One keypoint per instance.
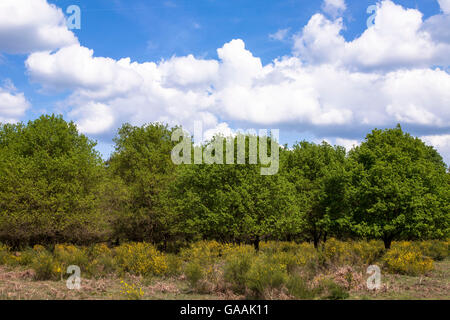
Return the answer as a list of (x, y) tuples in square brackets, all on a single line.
[(49, 178), (399, 188), (320, 178), (142, 163), (233, 202)]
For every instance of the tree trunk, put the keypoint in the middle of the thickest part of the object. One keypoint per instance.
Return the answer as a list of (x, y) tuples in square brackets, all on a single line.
[(387, 242), (256, 243), (316, 242)]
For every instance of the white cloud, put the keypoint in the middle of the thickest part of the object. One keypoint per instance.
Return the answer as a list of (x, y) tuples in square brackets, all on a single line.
[(441, 143), (32, 25), (13, 104), (331, 88), (334, 7), (280, 35), (445, 5), (398, 39), (93, 118)]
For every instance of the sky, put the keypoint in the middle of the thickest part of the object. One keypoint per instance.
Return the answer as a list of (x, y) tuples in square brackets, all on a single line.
[(319, 70)]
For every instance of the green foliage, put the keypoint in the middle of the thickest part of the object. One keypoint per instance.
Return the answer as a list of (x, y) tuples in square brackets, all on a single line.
[(298, 287), (399, 188), (436, 250), (142, 167), (46, 266), (48, 186), (236, 268), (232, 202), (319, 175), (194, 273), (265, 275), (333, 291)]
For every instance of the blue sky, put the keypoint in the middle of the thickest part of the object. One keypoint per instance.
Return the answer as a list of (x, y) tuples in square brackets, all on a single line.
[(312, 69)]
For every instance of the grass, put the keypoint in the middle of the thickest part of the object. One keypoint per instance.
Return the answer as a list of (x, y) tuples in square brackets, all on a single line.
[(17, 283)]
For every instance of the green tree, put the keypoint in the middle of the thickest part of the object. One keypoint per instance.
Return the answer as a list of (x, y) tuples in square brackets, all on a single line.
[(320, 178), (49, 178), (142, 164), (399, 188), (233, 202)]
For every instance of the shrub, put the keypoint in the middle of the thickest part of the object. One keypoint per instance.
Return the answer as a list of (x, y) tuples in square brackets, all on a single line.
[(46, 267), (298, 287), (265, 275), (174, 265), (4, 254), (406, 258), (367, 252), (204, 252), (194, 273), (333, 291), (67, 254), (436, 250), (236, 268), (140, 258), (101, 260)]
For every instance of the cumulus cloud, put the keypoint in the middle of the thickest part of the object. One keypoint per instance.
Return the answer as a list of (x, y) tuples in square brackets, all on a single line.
[(398, 39), (32, 25), (330, 87), (13, 104)]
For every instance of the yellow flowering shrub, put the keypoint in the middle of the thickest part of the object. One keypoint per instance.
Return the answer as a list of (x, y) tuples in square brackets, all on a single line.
[(140, 258), (352, 252), (68, 254), (436, 250), (46, 267), (407, 258), (237, 266), (204, 252), (5, 254), (101, 260), (337, 252), (131, 292), (265, 275)]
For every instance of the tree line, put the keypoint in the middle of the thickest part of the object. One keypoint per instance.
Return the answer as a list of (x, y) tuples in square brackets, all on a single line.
[(55, 187)]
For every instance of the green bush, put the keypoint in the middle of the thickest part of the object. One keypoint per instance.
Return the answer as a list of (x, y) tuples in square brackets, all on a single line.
[(298, 287), (46, 267), (194, 274), (265, 275), (436, 250), (236, 269), (333, 291)]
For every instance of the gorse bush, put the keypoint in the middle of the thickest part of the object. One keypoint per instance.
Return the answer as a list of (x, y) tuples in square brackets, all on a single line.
[(352, 252), (237, 266), (140, 258), (264, 275), (46, 266), (437, 250), (406, 258)]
